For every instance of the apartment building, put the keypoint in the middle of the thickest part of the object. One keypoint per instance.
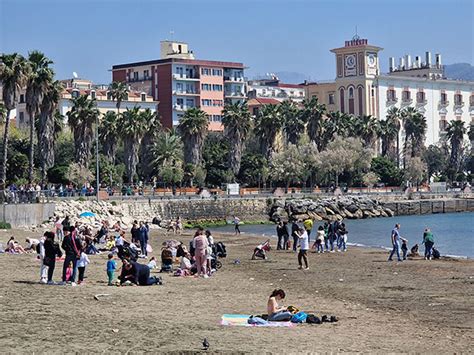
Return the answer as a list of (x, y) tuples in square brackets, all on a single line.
[(274, 89), (179, 82)]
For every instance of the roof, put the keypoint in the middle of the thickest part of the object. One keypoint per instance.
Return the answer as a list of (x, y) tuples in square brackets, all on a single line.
[(295, 86), (211, 63), (100, 92), (262, 101)]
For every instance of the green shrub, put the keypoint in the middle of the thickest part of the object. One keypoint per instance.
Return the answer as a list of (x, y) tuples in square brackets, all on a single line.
[(5, 225)]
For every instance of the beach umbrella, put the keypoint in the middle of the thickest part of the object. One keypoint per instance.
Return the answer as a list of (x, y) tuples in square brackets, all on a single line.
[(87, 214)]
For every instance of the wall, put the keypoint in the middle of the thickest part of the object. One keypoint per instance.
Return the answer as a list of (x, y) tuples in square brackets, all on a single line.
[(415, 207), (26, 215)]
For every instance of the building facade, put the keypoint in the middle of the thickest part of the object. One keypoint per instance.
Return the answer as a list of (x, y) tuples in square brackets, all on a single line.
[(179, 82), (274, 89), (75, 87), (360, 88)]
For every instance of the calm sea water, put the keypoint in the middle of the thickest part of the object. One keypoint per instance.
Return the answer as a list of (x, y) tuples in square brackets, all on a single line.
[(453, 232)]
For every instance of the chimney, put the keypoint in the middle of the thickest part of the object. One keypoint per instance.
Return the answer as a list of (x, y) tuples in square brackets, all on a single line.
[(402, 64), (417, 63), (438, 60), (391, 64), (407, 61), (428, 59)]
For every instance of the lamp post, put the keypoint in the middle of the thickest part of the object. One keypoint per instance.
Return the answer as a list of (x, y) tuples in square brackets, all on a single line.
[(97, 155)]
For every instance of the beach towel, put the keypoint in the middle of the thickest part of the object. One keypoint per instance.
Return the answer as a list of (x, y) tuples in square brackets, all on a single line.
[(241, 320)]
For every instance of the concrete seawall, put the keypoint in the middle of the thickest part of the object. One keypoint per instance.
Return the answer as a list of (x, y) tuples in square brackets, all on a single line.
[(26, 215), (414, 207)]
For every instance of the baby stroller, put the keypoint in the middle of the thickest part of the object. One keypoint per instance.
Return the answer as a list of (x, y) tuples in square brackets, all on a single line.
[(260, 251), (219, 249), (126, 252), (166, 260)]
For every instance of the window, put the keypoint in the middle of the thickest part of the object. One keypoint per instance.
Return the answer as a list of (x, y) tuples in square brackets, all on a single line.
[(75, 93), (443, 124), (22, 117), (217, 72), (143, 96), (391, 95), (342, 100), (179, 87), (216, 87), (215, 118), (135, 75), (22, 98), (444, 98), (146, 74), (351, 101), (406, 95), (189, 103), (179, 71), (206, 102), (180, 102), (351, 93), (420, 97), (206, 87), (92, 93), (190, 88), (205, 71), (458, 99), (360, 96), (217, 103)]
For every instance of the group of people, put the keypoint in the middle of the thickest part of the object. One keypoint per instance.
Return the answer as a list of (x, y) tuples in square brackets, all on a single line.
[(330, 236), (400, 243)]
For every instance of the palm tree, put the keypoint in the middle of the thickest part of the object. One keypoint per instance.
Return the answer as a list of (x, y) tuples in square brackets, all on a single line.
[(335, 124), (133, 125), (237, 122), (366, 128), (193, 129), (39, 79), (13, 76), (108, 135), (415, 127), (314, 114), (146, 157), (389, 133), (455, 134), (119, 92), (268, 125), (81, 119), (294, 121), (167, 161), (48, 125)]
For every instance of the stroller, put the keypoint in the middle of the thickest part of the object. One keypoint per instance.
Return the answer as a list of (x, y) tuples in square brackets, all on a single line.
[(219, 249), (166, 260), (260, 251)]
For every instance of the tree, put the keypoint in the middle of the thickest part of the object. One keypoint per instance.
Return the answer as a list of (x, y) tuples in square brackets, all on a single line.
[(366, 127), (215, 152), (436, 160), (108, 135), (13, 76), (146, 157), (415, 127), (314, 115), (78, 175), (254, 169), (119, 93), (268, 125), (167, 152), (455, 134), (193, 129), (40, 77), (387, 171), (133, 125), (287, 166), (388, 133), (49, 125), (345, 155), (335, 124), (294, 121), (81, 119), (415, 170), (237, 122)]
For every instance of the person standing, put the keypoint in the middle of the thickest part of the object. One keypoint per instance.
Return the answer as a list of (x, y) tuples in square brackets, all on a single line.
[(135, 232), (304, 247), (42, 255), (237, 225), (143, 238), (395, 238), (286, 235), (428, 240), (66, 223), (51, 250), (111, 266), (326, 236), (343, 237), (71, 246), (81, 267), (308, 226), (280, 235), (332, 235), (294, 233), (200, 250), (59, 229), (320, 235)]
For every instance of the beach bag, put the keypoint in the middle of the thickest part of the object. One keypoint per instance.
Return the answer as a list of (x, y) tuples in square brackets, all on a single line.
[(299, 317), (312, 319)]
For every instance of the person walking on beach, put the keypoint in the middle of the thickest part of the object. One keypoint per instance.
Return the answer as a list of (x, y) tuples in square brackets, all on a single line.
[(143, 238), (428, 240), (51, 250), (304, 247), (294, 233), (237, 225), (395, 238)]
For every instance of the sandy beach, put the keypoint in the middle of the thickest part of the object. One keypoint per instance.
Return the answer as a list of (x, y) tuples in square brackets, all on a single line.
[(415, 306)]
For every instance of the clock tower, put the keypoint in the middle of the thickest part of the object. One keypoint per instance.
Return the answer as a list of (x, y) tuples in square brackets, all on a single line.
[(357, 65)]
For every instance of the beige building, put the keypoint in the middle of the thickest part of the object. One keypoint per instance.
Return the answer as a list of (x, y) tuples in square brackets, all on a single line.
[(101, 93)]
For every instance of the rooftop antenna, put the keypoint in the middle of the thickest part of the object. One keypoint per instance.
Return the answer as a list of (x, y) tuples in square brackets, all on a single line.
[(74, 74), (356, 36)]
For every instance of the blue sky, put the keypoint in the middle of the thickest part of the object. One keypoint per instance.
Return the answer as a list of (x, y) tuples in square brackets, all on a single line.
[(89, 36)]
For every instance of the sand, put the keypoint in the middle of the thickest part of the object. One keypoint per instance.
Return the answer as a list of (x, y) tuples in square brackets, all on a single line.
[(414, 306)]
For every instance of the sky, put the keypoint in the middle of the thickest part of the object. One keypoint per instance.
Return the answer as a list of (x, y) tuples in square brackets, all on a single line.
[(89, 36)]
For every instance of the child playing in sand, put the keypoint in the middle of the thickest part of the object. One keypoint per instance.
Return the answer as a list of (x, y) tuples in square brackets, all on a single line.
[(81, 267), (152, 263), (404, 248), (111, 266)]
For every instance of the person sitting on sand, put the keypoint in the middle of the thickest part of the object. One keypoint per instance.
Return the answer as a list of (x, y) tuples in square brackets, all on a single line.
[(13, 247), (137, 274), (275, 312)]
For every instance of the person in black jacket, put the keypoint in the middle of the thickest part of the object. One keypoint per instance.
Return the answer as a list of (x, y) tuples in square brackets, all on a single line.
[(282, 233), (51, 250), (294, 233), (135, 232), (138, 274), (72, 247)]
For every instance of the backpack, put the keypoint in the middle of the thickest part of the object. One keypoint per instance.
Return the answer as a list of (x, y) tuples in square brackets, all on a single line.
[(299, 317), (312, 319)]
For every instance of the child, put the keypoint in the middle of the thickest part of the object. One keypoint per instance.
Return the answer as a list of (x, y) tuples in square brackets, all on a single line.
[(404, 248), (69, 272), (81, 266), (152, 263), (320, 239), (111, 266)]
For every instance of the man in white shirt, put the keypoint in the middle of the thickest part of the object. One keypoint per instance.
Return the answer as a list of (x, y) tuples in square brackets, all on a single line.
[(304, 247), (31, 243)]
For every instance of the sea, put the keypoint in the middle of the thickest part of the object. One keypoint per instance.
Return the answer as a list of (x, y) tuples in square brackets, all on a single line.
[(453, 232)]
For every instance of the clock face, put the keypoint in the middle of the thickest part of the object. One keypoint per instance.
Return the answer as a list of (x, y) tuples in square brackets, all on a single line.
[(350, 61)]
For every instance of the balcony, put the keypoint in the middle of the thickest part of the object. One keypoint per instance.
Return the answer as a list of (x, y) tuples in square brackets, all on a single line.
[(143, 78), (407, 102), (186, 92), (421, 102), (185, 77), (234, 94), (391, 101), (181, 108), (233, 79), (443, 104), (458, 104)]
